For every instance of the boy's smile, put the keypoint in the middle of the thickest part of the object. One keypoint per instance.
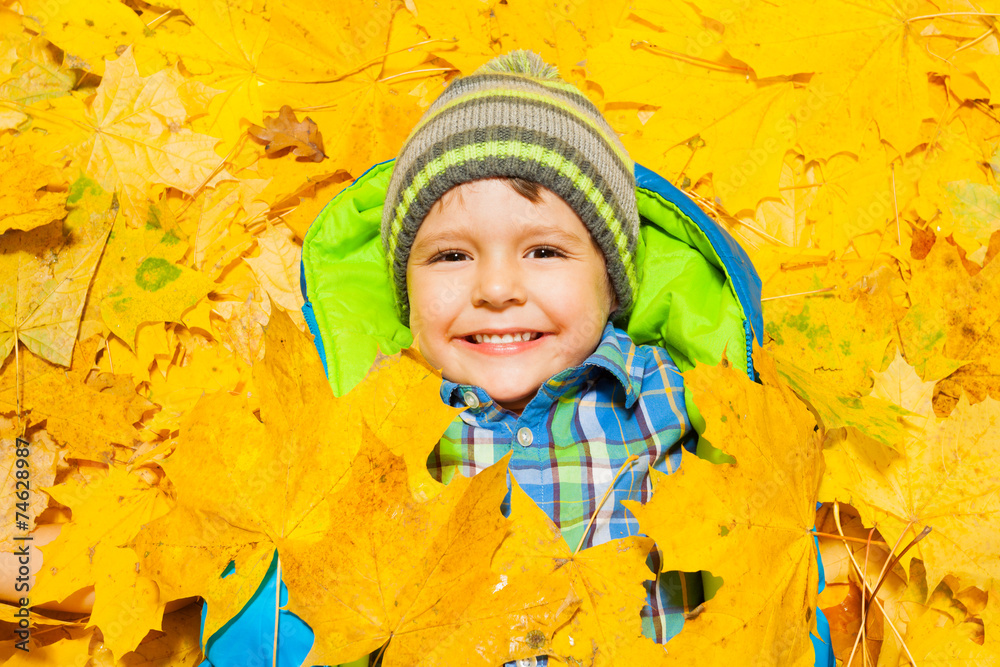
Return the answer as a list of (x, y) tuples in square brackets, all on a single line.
[(505, 293)]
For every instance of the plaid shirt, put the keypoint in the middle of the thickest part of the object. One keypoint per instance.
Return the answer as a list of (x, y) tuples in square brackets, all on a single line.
[(572, 438)]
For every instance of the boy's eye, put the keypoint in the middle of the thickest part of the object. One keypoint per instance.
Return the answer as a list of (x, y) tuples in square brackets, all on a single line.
[(449, 256), (545, 252)]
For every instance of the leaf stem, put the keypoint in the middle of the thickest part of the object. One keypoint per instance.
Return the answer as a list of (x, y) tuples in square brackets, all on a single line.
[(583, 538), (845, 538), (946, 15)]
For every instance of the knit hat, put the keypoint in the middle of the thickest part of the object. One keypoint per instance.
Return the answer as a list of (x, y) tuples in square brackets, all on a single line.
[(514, 117)]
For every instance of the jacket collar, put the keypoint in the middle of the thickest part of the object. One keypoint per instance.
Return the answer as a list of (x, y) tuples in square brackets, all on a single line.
[(615, 354)]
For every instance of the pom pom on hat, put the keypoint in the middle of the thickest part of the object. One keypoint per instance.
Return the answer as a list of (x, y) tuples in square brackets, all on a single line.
[(524, 62)]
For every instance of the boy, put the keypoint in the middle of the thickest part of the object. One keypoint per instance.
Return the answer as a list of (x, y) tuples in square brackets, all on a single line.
[(510, 227)]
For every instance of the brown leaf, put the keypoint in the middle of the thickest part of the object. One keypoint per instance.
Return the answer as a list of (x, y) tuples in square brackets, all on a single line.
[(284, 131)]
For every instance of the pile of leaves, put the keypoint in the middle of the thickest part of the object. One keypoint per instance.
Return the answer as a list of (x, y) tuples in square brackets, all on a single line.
[(160, 164)]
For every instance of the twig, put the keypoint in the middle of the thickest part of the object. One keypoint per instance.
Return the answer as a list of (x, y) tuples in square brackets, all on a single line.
[(415, 71), (277, 605), (864, 585), (785, 296), (628, 462), (947, 14), (846, 539), (895, 203), (975, 41)]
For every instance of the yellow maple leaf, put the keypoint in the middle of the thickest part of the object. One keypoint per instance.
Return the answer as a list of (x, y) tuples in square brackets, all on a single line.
[(868, 61), (953, 316), (215, 224), (24, 204), (397, 570), (754, 520), (53, 267), (176, 645), (716, 122), (278, 267), (107, 513), (89, 416), (28, 73), (406, 385), (140, 281), (946, 480), (87, 31), (303, 447), (139, 143), (127, 604), (608, 579)]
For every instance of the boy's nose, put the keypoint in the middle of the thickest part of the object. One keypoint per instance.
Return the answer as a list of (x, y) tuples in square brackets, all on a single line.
[(498, 284)]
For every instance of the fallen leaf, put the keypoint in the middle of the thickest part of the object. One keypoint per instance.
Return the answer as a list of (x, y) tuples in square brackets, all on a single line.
[(140, 281), (303, 448), (54, 265), (107, 513), (608, 578), (24, 201), (947, 481), (284, 131), (754, 520)]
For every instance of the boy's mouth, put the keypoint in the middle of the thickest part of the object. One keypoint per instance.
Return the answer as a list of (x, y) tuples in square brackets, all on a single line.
[(496, 339)]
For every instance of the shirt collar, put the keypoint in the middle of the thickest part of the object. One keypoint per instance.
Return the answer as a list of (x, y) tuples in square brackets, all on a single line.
[(615, 354)]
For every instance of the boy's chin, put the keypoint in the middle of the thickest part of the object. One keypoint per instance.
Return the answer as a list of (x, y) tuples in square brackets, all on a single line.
[(511, 397)]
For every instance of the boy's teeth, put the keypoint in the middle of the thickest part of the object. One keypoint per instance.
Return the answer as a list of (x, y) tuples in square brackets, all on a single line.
[(505, 338)]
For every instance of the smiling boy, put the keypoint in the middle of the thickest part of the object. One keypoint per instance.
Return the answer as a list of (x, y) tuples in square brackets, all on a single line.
[(510, 228)]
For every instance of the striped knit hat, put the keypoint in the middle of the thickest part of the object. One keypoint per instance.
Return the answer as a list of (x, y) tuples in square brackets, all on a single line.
[(514, 117)]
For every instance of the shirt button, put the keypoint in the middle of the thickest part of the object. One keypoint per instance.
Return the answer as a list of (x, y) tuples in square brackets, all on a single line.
[(471, 399), (524, 436)]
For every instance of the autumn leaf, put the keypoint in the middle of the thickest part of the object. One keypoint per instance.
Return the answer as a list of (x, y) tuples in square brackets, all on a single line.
[(694, 138), (108, 511), (303, 447), (284, 131), (88, 414), (608, 579), (413, 574), (54, 265), (955, 316), (140, 281), (868, 63), (24, 201), (42, 455), (945, 479), (139, 139), (278, 267), (29, 72), (754, 520), (406, 385)]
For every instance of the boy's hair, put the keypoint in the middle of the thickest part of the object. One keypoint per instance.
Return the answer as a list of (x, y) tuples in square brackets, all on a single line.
[(515, 118), (530, 190)]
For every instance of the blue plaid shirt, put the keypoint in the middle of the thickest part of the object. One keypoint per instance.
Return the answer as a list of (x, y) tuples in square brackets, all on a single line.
[(571, 439)]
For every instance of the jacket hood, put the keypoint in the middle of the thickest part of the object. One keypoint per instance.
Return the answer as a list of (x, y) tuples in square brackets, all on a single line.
[(698, 295)]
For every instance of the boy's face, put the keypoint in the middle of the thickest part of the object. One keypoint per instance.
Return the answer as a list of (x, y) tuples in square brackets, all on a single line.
[(488, 262)]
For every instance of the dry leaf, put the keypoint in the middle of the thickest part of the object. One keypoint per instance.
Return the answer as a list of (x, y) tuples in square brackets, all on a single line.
[(284, 131)]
